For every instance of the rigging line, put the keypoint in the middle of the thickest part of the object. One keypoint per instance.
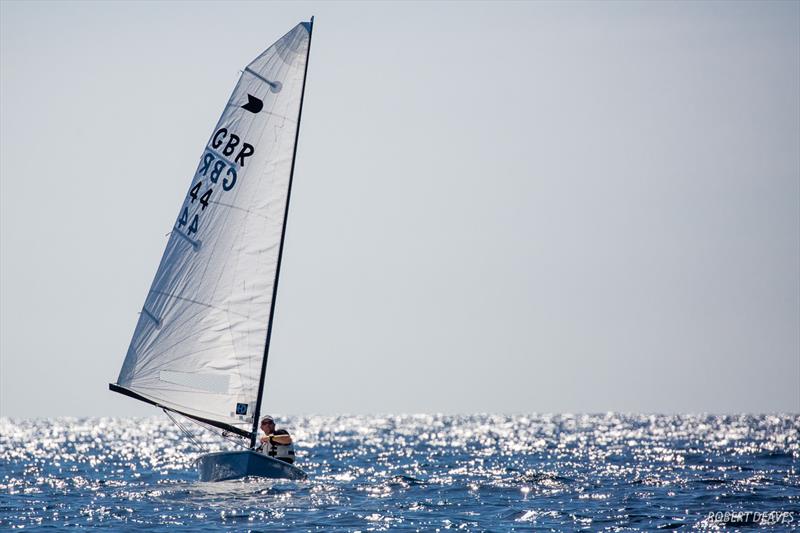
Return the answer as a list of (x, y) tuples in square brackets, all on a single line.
[(227, 435), (232, 438), (185, 431)]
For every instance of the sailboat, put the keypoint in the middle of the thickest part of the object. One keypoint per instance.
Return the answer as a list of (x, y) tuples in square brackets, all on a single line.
[(201, 343)]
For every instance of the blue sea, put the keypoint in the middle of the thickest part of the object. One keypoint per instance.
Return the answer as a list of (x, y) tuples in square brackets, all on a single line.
[(606, 472)]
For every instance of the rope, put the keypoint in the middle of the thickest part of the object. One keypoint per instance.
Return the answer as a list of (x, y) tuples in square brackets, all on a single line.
[(225, 435), (230, 437), (185, 431)]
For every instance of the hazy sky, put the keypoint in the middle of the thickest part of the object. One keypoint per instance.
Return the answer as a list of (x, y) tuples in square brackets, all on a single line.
[(505, 207)]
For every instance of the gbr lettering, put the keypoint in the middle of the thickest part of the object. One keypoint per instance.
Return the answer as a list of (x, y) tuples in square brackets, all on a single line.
[(219, 172)]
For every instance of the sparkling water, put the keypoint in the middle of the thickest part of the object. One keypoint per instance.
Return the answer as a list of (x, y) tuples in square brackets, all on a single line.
[(413, 472)]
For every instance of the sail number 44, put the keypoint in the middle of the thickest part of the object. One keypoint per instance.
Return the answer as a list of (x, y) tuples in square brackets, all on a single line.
[(193, 194), (212, 166)]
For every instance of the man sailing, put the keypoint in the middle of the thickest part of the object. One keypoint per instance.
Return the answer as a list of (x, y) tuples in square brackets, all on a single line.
[(276, 443)]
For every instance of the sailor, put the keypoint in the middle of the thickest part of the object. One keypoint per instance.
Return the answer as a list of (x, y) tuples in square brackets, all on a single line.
[(276, 443)]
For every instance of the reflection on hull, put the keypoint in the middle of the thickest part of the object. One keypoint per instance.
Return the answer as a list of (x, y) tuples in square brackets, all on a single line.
[(221, 466)]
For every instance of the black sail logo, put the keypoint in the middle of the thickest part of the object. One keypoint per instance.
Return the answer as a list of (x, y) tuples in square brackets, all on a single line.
[(254, 105)]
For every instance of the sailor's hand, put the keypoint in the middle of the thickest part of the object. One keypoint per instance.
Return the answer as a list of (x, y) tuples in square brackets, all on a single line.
[(264, 439)]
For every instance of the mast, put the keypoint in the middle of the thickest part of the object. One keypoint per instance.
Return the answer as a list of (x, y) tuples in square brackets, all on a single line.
[(257, 411)]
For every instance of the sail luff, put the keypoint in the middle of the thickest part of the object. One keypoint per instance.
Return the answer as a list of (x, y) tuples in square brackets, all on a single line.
[(257, 411)]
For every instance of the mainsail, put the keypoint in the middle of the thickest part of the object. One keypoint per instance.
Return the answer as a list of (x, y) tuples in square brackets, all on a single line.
[(202, 339)]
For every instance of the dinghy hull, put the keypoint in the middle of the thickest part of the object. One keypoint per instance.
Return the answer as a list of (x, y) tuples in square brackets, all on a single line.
[(222, 466)]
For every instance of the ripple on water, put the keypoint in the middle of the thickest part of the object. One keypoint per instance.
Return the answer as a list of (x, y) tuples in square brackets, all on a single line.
[(421, 472)]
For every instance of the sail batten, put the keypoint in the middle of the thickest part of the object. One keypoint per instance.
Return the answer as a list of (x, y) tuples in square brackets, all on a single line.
[(276, 86), (199, 345)]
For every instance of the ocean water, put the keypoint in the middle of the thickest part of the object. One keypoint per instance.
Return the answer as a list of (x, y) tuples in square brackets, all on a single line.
[(609, 472)]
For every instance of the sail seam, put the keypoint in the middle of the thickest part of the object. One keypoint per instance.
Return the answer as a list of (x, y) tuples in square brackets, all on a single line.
[(179, 407), (145, 365), (186, 389), (248, 211), (146, 371), (265, 112), (197, 302), (220, 156)]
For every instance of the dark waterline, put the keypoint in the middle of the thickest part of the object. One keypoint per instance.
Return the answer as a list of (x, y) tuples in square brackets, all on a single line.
[(417, 472)]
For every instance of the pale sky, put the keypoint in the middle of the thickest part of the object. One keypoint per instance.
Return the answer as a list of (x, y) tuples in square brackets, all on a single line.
[(497, 207)]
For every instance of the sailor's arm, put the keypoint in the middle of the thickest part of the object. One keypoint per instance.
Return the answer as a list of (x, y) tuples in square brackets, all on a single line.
[(280, 437)]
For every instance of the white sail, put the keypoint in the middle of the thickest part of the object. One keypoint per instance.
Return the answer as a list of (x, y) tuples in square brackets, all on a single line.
[(199, 343)]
